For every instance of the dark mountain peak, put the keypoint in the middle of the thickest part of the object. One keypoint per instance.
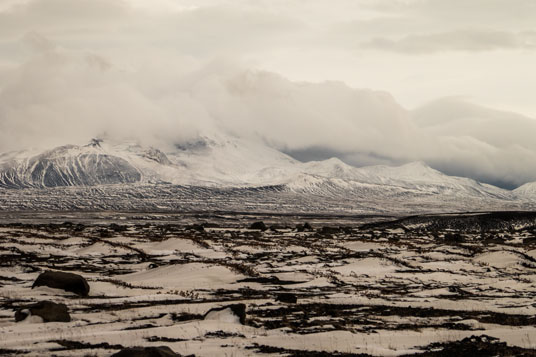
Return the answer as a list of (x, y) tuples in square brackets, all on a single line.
[(95, 142)]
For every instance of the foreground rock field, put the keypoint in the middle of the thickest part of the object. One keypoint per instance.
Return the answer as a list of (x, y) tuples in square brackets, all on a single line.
[(366, 285)]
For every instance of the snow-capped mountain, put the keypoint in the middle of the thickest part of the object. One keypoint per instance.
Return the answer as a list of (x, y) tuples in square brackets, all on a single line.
[(204, 162), (412, 177), (68, 165), (230, 163), (527, 190)]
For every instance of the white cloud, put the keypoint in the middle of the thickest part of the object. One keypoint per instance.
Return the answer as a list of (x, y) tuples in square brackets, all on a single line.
[(62, 96)]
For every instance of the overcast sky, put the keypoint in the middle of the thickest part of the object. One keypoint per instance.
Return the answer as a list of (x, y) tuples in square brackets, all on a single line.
[(451, 83)]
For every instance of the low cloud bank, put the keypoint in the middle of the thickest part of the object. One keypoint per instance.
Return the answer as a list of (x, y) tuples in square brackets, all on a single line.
[(63, 96)]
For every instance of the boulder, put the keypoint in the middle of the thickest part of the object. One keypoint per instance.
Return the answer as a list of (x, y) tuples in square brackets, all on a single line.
[(275, 227), (65, 281), (259, 226), (287, 297), (47, 310), (197, 227), (239, 310), (160, 351), (306, 227)]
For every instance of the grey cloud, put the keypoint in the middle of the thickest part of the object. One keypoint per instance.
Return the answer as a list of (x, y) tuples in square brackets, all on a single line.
[(38, 42), (454, 117), (460, 40), (116, 21), (424, 26), (59, 14), (219, 29), (495, 12), (490, 145), (458, 138), (512, 13), (358, 159)]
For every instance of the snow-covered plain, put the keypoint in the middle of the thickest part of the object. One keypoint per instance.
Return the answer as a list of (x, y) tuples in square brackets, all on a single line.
[(367, 285)]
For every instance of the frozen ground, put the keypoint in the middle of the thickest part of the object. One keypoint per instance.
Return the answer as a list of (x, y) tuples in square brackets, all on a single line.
[(365, 285)]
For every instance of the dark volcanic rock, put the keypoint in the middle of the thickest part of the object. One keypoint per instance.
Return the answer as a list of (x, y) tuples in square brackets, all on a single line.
[(197, 227), (65, 281), (261, 280), (258, 225), (275, 227), (160, 351), (287, 297), (237, 309), (453, 238), (304, 227), (330, 230), (475, 346), (530, 240), (117, 228), (47, 310)]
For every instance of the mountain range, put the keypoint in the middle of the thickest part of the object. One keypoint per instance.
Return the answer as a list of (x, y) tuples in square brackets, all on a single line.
[(228, 164)]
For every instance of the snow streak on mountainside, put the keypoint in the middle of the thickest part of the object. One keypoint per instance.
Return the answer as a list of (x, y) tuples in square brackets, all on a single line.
[(225, 166)]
